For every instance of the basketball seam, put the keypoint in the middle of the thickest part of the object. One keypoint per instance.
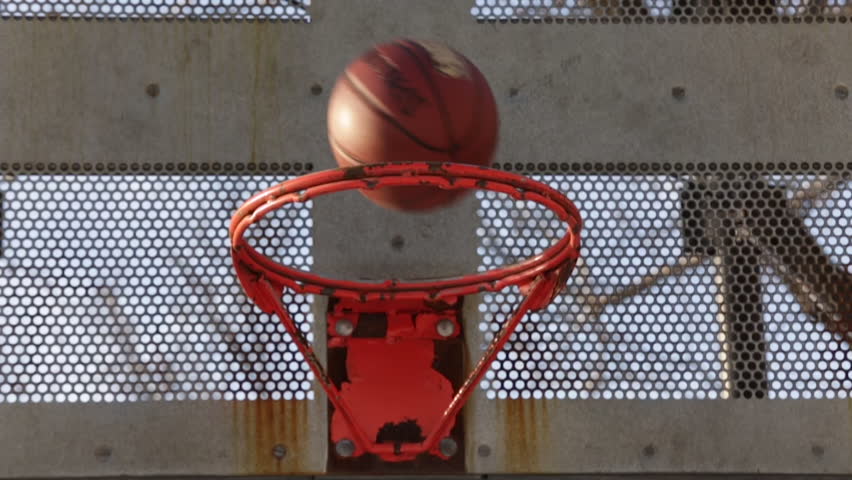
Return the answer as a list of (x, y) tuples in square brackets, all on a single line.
[(439, 99), (343, 151), (475, 126), (367, 101)]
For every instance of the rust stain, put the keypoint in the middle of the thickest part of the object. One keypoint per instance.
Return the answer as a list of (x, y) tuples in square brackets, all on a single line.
[(263, 424), (525, 436)]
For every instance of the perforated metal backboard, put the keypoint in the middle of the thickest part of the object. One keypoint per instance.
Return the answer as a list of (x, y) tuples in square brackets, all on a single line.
[(704, 331)]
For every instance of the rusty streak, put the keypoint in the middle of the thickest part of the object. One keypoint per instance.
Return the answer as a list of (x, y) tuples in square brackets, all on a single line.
[(263, 424), (525, 434)]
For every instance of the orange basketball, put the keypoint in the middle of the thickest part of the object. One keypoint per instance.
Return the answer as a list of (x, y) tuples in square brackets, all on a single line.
[(412, 101)]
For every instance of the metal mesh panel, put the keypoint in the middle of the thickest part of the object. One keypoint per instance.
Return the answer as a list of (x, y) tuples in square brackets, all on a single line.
[(664, 11), (121, 288), (733, 285), (707, 285), (282, 10)]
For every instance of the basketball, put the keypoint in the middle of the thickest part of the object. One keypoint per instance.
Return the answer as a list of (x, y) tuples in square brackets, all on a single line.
[(412, 101)]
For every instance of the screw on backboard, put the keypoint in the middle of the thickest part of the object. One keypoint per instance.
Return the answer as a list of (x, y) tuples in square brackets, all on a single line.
[(448, 447), (344, 327), (153, 90), (483, 450), (841, 91), (279, 451), (345, 448), (397, 242), (102, 453), (446, 328)]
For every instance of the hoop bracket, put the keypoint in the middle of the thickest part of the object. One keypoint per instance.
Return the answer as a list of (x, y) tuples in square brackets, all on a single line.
[(540, 278)]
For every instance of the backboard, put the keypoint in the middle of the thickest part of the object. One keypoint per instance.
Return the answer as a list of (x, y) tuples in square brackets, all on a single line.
[(704, 331)]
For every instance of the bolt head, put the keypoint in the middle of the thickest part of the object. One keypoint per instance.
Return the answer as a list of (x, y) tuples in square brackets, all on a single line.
[(153, 90), (446, 328), (102, 453), (279, 451), (344, 327), (483, 450), (397, 242), (345, 448), (448, 447)]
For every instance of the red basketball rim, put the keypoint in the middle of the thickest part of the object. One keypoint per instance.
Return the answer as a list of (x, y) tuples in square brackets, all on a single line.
[(540, 277), (441, 175)]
